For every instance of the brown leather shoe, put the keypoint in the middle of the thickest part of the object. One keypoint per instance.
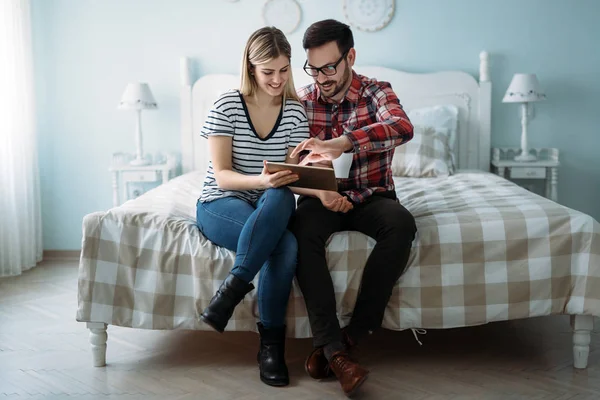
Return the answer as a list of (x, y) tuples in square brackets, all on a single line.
[(350, 374), (316, 365)]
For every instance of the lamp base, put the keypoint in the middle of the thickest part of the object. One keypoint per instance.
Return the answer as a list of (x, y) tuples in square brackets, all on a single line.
[(523, 157), (138, 162)]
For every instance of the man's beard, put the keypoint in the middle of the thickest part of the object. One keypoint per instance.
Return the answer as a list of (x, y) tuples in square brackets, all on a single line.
[(337, 88)]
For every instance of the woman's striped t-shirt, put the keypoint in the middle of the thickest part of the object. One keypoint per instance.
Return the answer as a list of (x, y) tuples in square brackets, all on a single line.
[(229, 117)]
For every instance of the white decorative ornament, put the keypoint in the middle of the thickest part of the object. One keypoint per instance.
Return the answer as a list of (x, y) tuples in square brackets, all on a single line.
[(369, 15), (282, 14)]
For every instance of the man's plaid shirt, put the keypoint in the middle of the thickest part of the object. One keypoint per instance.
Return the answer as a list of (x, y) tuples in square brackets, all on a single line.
[(371, 116)]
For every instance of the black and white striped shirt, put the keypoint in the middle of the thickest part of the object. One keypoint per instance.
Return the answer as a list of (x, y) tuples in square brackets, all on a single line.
[(229, 117)]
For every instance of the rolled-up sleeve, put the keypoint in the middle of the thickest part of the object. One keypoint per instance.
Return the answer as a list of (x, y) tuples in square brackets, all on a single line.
[(392, 127)]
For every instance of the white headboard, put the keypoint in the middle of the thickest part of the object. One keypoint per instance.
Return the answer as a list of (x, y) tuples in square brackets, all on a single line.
[(473, 98)]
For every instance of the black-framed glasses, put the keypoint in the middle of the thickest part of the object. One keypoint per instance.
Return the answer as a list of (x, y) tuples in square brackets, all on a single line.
[(327, 70)]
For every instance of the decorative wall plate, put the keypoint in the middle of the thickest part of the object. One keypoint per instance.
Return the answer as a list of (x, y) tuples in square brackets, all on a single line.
[(282, 14), (369, 15)]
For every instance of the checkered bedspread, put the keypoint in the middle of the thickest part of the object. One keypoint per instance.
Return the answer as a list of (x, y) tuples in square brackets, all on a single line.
[(486, 250)]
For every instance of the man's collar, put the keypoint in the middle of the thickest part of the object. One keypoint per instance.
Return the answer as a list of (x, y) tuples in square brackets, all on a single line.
[(352, 94)]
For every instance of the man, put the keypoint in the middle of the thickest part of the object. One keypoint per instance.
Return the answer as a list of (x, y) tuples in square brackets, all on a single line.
[(348, 112)]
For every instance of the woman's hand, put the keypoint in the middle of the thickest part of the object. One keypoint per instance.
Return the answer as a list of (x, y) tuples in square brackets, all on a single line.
[(334, 201), (278, 179)]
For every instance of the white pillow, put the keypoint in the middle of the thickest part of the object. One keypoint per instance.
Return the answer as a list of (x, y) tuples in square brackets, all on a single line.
[(440, 117), (425, 155)]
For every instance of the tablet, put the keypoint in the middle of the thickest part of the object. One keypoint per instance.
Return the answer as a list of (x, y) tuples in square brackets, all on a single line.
[(309, 177)]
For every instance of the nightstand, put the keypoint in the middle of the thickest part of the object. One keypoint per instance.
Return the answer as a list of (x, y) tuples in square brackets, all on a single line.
[(130, 181), (544, 168)]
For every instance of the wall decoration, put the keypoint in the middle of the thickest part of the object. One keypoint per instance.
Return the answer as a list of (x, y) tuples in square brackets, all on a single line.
[(282, 14), (369, 15)]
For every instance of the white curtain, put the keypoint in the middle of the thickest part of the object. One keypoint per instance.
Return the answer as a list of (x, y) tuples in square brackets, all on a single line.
[(20, 208)]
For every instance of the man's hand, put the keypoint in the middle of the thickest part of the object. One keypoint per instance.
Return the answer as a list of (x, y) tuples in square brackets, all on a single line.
[(323, 164), (334, 201), (322, 150)]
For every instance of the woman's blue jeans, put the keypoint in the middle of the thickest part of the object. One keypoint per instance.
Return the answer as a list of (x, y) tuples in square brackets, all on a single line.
[(258, 234)]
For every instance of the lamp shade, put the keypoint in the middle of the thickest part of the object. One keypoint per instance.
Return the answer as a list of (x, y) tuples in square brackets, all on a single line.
[(523, 88), (137, 96)]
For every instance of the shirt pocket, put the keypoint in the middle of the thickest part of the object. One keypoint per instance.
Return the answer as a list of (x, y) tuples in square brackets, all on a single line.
[(360, 117), (317, 131), (352, 122)]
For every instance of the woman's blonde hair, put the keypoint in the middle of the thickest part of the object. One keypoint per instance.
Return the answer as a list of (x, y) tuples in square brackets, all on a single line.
[(263, 46)]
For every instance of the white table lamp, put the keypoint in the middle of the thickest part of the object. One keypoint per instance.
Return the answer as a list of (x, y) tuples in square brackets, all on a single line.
[(524, 88), (137, 96)]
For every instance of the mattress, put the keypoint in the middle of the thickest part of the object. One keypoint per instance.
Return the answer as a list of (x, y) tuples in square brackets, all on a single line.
[(486, 250)]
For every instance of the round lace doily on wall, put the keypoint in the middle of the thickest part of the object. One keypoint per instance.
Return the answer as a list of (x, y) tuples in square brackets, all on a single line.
[(369, 15), (282, 14)]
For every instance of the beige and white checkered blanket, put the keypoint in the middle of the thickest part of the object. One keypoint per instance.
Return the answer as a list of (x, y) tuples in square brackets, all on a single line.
[(486, 250)]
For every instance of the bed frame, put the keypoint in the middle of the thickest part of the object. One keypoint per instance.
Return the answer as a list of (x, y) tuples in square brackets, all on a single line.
[(472, 96)]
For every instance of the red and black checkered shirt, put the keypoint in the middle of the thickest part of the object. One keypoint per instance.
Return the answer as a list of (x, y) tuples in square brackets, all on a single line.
[(371, 116)]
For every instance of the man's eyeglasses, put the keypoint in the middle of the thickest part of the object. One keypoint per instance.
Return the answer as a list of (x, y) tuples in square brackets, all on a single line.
[(327, 70)]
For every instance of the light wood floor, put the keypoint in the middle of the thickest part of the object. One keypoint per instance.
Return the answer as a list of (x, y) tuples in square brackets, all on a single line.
[(44, 353)]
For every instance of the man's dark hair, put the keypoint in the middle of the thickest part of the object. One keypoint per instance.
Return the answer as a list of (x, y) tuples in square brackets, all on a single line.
[(326, 31)]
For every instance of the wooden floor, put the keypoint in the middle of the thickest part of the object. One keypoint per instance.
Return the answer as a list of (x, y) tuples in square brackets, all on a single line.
[(44, 353)]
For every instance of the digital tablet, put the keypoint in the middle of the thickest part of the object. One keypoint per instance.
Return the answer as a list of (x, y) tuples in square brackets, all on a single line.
[(309, 177)]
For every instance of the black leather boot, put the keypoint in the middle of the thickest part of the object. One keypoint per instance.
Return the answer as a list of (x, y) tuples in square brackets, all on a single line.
[(221, 306), (271, 356)]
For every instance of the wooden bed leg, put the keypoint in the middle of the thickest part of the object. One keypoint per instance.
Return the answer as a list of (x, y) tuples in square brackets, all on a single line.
[(582, 329), (98, 337)]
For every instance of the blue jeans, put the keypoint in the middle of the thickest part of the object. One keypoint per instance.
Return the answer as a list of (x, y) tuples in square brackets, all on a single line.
[(258, 234)]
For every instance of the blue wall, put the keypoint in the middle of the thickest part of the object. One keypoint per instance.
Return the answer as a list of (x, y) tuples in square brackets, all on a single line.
[(87, 50)]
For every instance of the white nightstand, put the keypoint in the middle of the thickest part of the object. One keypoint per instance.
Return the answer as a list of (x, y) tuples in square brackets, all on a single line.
[(129, 181), (545, 167)]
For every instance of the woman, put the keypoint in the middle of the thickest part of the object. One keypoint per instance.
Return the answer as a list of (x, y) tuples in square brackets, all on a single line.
[(243, 207)]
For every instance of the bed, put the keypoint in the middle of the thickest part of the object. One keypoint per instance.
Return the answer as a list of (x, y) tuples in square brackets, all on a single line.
[(486, 250)]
